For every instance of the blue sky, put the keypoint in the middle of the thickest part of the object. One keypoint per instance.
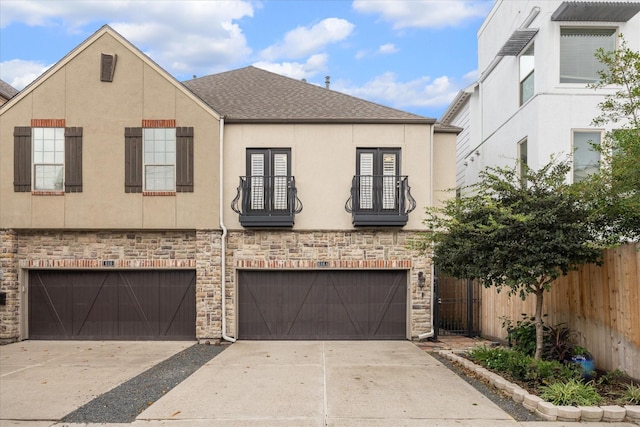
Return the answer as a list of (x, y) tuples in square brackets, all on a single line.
[(412, 55)]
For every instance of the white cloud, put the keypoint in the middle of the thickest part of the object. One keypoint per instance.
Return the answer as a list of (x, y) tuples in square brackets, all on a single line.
[(425, 14), (421, 92), (194, 37), (387, 48), (362, 53), (296, 70), (303, 41), (19, 73), (471, 76)]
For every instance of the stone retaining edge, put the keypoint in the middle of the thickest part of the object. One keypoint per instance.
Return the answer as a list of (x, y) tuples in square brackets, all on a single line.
[(547, 410)]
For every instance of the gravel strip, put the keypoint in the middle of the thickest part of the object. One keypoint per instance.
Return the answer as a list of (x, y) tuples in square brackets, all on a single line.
[(126, 401), (516, 410)]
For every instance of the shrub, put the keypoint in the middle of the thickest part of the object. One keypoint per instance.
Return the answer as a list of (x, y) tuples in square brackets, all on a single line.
[(522, 336), (570, 393)]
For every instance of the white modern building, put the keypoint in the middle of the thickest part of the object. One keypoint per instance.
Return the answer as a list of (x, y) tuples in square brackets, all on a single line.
[(531, 99)]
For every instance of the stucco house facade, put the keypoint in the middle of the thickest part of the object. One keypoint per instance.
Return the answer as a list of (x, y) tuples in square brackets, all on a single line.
[(531, 100), (243, 205)]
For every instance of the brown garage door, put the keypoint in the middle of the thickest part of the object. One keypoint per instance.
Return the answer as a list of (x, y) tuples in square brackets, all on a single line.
[(126, 305), (322, 305)]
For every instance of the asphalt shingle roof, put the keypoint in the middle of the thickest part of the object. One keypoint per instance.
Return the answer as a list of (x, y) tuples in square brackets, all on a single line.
[(254, 95), (6, 90)]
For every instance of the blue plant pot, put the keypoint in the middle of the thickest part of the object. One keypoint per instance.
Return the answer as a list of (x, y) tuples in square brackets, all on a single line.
[(586, 363)]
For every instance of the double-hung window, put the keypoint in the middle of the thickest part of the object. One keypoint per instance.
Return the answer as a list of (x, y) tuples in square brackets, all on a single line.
[(47, 157), (577, 49), (586, 159), (159, 159)]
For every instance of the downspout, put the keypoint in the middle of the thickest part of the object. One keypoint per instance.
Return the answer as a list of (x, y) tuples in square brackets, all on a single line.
[(432, 332), (223, 240), (431, 163)]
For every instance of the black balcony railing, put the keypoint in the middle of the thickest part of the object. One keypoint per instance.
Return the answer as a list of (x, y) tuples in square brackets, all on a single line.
[(380, 200), (267, 201)]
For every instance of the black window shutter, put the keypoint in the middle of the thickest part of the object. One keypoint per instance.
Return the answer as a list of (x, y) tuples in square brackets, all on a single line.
[(133, 160), (73, 160), (22, 159), (184, 160)]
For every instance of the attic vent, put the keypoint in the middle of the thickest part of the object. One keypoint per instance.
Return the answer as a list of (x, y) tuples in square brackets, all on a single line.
[(107, 67)]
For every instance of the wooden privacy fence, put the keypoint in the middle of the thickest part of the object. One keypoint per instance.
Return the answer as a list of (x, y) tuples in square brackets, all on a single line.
[(601, 303)]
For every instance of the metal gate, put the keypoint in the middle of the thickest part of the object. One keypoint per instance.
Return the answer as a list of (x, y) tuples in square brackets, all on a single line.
[(457, 311)]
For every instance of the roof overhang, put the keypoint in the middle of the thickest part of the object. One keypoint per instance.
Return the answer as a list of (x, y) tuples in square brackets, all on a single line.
[(270, 120), (444, 128), (456, 105), (596, 11), (518, 41)]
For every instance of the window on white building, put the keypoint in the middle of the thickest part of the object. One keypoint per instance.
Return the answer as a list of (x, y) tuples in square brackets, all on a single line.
[(522, 162), (577, 49), (586, 159), (527, 74)]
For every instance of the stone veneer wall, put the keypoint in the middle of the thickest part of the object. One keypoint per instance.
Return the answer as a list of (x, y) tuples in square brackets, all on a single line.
[(198, 250), (208, 288), (201, 250), (361, 249), (9, 313)]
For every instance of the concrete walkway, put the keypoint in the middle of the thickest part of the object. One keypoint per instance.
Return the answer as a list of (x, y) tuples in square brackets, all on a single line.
[(251, 383)]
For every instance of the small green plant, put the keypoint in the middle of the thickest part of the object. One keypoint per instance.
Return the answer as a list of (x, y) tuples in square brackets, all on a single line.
[(631, 395), (522, 336), (580, 351), (570, 393), (491, 358), (612, 377), (549, 371), (522, 367)]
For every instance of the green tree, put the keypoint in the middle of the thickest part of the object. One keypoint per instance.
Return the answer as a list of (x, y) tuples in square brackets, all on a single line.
[(513, 232), (613, 195)]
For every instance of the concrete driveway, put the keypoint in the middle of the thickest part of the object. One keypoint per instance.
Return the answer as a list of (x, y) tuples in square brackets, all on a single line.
[(46, 380), (251, 383), (331, 383)]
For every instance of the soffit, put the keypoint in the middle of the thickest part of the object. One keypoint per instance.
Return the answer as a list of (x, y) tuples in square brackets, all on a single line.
[(596, 11)]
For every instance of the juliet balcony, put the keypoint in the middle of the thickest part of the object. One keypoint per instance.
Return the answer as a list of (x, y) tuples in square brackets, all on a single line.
[(267, 201), (380, 200)]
